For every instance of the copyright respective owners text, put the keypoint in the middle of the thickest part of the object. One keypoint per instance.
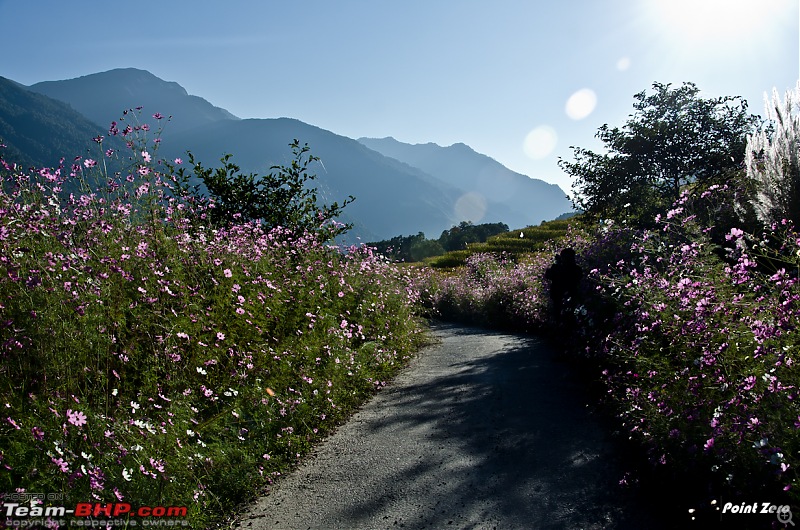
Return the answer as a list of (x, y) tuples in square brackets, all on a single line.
[(55, 510)]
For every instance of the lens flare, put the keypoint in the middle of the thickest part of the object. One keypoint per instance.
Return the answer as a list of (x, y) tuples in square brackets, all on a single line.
[(540, 142), (581, 104), (470, 207)]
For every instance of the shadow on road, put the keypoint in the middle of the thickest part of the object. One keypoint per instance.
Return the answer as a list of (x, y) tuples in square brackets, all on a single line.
[(504, 437)]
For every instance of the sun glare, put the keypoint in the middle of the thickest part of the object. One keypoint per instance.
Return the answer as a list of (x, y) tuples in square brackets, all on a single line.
[(715, 22)]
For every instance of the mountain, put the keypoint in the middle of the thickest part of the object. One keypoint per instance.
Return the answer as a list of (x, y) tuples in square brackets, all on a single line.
[(391, 198), (525, 201), (399, 188), (102, 98), (38, 131)]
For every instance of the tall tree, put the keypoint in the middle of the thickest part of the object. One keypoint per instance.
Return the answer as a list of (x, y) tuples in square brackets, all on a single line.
[(673, 138)]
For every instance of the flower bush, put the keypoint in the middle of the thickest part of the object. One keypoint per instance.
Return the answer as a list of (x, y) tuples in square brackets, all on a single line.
[(149, 358), (694, 343)]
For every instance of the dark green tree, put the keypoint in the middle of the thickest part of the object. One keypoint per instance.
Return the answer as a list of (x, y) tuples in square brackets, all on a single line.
[(673, 138), (399, 248), (425, 248), (458, 237), (283, 197)]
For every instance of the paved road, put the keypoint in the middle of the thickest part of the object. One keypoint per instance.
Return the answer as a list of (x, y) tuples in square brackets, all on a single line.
[(483, 430)]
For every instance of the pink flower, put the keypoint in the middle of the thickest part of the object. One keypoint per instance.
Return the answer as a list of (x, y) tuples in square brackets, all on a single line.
[(227, 273), (77, 418), (220, 335), (735, 234), (89, 163), (62, 466), (179, 161), (38, 433), (146, 156)]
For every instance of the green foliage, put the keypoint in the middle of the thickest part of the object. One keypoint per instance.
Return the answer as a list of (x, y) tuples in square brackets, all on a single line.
[(512, 244), (674, 138), (458, 237), (146, 356), (399, 248), (418, 248), (282, 198), (426, 248)]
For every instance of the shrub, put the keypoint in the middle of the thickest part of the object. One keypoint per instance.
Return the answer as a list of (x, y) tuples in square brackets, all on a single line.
[(149, 357)]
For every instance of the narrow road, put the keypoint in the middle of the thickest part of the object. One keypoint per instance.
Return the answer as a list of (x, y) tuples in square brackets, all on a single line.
[(482, 430)]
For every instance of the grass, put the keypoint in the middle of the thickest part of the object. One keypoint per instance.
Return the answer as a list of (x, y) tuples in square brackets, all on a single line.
[(149, 358)]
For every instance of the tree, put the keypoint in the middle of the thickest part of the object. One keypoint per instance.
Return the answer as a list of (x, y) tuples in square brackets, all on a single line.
[(674, 138), (281, 198), (458, 237)]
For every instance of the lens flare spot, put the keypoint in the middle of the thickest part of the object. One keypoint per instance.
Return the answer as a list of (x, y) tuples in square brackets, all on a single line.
[(624, 64), (540, 142), (470, 207), (581, 104)]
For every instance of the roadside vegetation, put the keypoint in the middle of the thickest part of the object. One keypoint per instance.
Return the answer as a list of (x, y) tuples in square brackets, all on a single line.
[(159, 347), (173, 333), (689, 307)]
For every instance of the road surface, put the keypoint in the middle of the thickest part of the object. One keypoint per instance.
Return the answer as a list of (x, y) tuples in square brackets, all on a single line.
[(482, 430)]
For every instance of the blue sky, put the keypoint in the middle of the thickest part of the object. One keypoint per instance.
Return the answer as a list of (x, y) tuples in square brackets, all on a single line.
[(520, 81)]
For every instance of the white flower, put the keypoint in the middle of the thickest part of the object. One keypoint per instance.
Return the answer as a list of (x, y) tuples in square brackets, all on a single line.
[(134, 407), (200, 370), (126, 474)]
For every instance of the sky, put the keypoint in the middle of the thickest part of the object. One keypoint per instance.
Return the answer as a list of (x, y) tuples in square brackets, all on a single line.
[(518, 80)]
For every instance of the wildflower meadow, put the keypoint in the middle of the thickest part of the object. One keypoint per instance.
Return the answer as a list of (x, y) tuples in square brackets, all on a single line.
[(149, 356)]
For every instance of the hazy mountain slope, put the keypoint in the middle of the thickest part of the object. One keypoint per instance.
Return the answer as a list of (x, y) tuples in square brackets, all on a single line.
[(400, 190), (529, 201), (39, 131), (391, 198), (102, 98)]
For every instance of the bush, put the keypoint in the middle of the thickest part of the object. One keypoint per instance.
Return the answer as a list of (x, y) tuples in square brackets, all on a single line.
[(695, 346), (151, 358)]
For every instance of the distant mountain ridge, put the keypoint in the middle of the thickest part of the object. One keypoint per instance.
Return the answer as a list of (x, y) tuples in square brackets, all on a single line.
[(390, 197), (527, 201), (399, 188), (38, 131), (103, 96)]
